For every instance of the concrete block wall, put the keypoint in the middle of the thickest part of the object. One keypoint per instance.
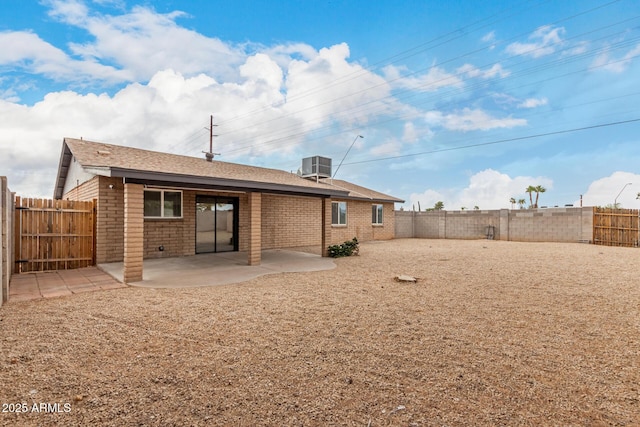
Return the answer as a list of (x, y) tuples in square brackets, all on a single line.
[(527, 225), (551, 225), (471, 224), (422, 225)]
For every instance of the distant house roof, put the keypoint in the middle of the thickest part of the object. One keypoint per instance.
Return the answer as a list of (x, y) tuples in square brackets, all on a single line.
[(145, 167)]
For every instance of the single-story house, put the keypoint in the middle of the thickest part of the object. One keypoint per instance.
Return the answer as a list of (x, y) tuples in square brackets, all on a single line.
[(152, 204)]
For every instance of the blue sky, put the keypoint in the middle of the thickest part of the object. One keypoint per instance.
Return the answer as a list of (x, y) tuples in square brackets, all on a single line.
[(463, 102)]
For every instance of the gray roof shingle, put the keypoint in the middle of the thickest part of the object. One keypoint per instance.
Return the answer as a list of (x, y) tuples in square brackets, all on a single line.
[(128, 161)]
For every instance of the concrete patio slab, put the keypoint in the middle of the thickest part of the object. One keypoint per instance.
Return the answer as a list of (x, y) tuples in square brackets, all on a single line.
[(219, 269)]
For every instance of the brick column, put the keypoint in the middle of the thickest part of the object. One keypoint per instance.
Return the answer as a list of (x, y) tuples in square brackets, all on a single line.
[(255, 228), (133, 232), (326, 226)]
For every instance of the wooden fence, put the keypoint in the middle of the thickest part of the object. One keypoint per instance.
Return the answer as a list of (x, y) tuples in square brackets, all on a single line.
[(616, 227), (53, 234)]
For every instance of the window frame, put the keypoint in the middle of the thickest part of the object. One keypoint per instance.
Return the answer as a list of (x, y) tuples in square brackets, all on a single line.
[(162, 200), (346, 214), (377, 210)]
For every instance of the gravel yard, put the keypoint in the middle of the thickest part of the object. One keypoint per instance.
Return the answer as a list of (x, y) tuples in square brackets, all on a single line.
[(493, 333)]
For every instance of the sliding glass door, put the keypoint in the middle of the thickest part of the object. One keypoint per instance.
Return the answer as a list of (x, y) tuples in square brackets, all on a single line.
[(216, 224)]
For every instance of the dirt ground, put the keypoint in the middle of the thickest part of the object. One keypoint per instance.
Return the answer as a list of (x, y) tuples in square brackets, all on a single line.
[(493, 333)]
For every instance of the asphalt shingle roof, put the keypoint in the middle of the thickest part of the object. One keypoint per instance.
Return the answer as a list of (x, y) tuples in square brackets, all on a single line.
[(98, 155)]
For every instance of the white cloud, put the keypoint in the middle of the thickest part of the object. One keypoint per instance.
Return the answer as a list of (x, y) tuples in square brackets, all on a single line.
[(388, 148), (27, 51), (468, 120), (544, 41), (533, 102), (169, 113), (579, 48), (329, 86), (489, 37), (616, 65), (433, 80), (487, 189), (603, 191), (153, 42), (70, 11), (424, 200), (471, 71)]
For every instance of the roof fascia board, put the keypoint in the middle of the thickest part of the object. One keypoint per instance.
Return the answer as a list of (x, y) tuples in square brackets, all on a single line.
[(374, 200), (159, 178), (63, 168)]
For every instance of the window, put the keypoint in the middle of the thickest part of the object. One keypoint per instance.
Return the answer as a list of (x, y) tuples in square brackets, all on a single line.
[(338, 213), (376, 214), (162, 204)]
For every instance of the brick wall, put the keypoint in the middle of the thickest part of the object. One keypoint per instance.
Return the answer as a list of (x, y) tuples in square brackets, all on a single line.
[(109, 215), (176, 236), (528, 225), (133, 232), (289, 222), (286, 222), (255, 228), (359, 223)]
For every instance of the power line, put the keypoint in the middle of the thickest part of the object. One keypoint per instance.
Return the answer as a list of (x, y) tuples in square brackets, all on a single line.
[(501, 141), (362, 108), (387, 82)]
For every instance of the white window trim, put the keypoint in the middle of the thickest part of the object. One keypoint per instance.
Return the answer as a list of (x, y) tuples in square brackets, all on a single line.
[(346, 216), (381, 222), (162, 191)]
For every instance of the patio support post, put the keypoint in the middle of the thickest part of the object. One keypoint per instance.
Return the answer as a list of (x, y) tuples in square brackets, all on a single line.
[(133, 232), (255, 228), (326, 226)]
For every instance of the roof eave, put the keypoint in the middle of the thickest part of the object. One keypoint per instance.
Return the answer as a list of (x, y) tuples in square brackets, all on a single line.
[(375, 199), (203, 182), (63, 169)]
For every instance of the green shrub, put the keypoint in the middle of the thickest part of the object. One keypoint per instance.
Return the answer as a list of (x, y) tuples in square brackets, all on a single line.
[(348, 248)]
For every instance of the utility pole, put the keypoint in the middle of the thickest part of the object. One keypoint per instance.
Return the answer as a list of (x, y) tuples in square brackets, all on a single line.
[(210, 154)]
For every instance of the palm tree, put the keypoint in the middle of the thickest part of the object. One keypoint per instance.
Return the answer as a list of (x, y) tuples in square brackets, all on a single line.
[(530, 189), (521, 202), (513, 202), (539, 189), (476, 208), (438, 206)]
